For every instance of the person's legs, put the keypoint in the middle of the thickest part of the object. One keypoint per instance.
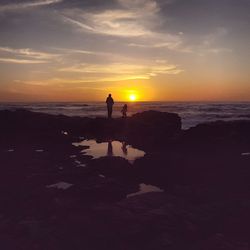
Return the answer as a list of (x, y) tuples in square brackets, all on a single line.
[(109, 112)]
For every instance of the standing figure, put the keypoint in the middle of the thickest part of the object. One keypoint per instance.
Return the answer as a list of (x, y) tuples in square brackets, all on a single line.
[(124, 111), (110, 103)]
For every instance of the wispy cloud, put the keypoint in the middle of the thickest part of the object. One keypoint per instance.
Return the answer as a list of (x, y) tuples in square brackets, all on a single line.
[(137, 20), (34, 83), (130, 20), (121, 71), (139, 24), (160, 41), (69, 55), (214, 36), (210, 44), (218, 50), (108, 24), (27, 52), (79, 51), (26, 56), (21, 61), (26, 5)]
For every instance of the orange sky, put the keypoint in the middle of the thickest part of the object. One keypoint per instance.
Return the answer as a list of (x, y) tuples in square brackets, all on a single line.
[(157, 50)]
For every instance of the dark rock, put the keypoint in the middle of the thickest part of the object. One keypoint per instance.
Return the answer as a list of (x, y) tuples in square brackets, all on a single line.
[(205, 203), (152, 129), (220, 135)]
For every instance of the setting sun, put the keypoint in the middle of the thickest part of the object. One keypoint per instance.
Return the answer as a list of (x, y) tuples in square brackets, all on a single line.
[(132, 97)]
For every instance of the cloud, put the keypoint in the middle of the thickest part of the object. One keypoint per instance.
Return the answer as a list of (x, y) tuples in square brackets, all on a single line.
[(210, 43), (214, 36), (218, 50), (129, 20), (121, 71), (72, 54), (79, 51), (141, 24), (135, 21), (26, 56), (21, 61), (27, 52), (111, 23), (149, 5), (34, 83), (160, 41), (26, 5)]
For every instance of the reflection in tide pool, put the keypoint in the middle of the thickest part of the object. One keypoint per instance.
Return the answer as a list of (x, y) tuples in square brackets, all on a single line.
[(144, 188), (111, 148)]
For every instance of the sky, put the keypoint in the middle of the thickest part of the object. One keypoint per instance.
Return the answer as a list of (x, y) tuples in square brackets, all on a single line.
[(156, 50)]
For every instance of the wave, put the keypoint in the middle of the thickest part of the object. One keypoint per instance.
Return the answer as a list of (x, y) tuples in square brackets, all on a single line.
[(244, 116)]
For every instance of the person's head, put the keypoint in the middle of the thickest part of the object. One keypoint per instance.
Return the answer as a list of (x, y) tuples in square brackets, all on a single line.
[(109, 95)]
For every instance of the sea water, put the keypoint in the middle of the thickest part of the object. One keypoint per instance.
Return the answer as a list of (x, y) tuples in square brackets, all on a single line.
[(191, 113)]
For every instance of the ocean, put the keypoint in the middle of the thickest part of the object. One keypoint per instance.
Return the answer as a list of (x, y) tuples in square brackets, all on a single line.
[(191, 113)]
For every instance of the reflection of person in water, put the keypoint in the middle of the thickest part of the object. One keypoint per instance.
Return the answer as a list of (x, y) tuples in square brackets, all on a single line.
[(110, 149), (124, 148)]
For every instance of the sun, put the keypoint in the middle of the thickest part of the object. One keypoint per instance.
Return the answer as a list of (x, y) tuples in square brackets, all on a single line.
[(132, 97)]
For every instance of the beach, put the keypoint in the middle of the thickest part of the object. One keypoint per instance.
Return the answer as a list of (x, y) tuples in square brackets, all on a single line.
[(141, 182)]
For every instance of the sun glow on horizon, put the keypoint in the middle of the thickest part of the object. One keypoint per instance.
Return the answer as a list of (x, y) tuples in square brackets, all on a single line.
[(132, 97)]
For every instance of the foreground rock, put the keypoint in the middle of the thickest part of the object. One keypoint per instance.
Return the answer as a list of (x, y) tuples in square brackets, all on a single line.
[(203, 171)]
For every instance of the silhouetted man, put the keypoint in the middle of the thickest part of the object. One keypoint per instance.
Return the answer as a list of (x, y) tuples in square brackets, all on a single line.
[(110, 103)]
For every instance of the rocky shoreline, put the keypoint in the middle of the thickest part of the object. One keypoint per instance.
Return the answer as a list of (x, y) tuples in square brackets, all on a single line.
[(203, 172)]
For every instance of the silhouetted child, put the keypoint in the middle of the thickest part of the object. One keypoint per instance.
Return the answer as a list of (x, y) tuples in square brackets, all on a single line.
[(124, 110)]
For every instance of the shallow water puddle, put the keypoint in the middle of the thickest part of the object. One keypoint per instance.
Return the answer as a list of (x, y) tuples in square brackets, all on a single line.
[(144, 188), (81, 165), (39, 150), (111, 148), (60, 185), (245, 154)]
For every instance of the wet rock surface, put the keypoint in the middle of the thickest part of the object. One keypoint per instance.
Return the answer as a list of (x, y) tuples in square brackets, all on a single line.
[(204, 175)]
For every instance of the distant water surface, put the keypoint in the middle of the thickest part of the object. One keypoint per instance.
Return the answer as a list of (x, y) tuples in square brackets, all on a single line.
[(192, 113)]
